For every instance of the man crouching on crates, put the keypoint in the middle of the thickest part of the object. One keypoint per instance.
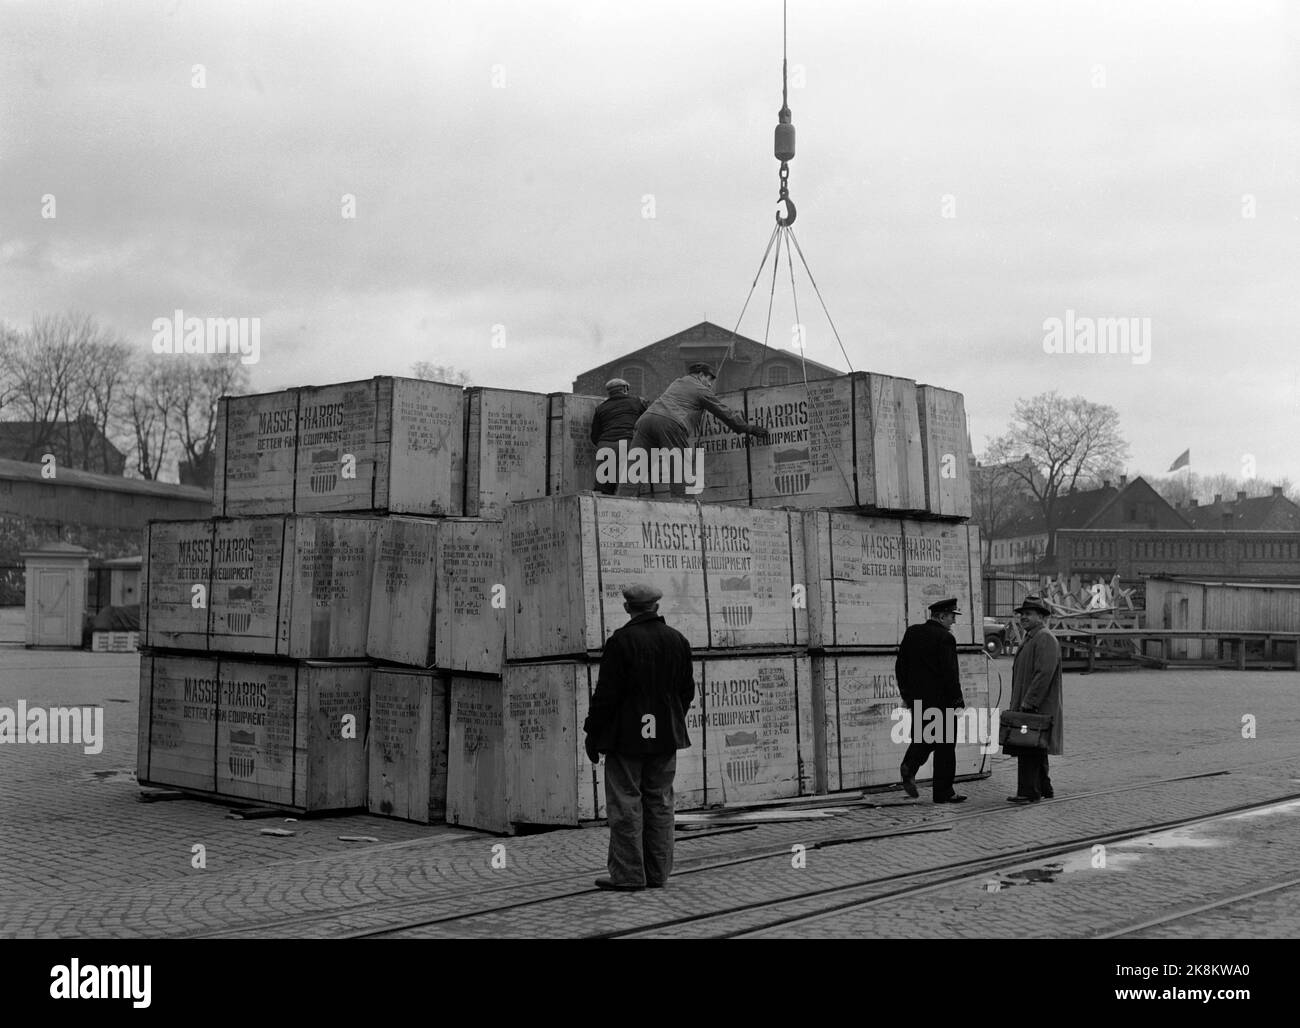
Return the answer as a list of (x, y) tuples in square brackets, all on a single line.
[(665, 430), (638, 720)]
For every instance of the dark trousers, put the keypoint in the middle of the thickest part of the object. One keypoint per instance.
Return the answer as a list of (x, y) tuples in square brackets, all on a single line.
[(656, 432), (608, 488), (639, 805), (945, 764), (1031, 775)]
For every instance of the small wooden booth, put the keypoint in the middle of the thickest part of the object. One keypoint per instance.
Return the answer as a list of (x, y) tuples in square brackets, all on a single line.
[(56, 594)]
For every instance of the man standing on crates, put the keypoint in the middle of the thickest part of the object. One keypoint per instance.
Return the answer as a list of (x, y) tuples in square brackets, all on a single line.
[(615, 419), (930, 684), (674, 419), (638, 720)]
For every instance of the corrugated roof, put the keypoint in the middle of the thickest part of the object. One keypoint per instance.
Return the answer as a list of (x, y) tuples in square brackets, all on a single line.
[(20, 471)]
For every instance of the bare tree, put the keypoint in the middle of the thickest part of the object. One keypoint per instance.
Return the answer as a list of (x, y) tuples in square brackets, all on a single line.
[(1069, 442), (198, 388), (149, 413), (440, 373), (998, 497)]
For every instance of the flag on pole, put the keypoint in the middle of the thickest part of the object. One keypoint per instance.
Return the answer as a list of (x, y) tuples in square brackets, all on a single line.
[(1184, 459)]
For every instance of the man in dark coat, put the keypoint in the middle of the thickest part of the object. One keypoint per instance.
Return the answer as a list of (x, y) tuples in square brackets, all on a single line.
[(638, 720), (1036, 689), (615, 419), (930, 684)]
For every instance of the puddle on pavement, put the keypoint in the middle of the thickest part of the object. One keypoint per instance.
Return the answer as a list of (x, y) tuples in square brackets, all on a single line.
[(1290, 807), (1189, 837)]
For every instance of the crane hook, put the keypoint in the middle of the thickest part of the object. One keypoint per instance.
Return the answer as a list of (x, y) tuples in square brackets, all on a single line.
[(788, 220)]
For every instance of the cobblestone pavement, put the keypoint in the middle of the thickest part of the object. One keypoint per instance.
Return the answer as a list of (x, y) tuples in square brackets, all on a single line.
[(81, 856)]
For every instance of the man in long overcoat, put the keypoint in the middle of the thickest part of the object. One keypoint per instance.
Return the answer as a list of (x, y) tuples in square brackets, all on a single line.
[(930, 684), (1036, 689), (638, 720)]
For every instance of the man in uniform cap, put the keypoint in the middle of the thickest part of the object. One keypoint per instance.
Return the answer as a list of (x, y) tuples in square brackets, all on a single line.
[(926, 669), (638, 720), (675, 417), (1036, 689), (615, 419)]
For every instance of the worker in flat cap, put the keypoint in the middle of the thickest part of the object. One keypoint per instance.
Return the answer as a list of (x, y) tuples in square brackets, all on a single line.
[(673, 421), (637, 720), (930, 684), (615, 419), (1036, 689)]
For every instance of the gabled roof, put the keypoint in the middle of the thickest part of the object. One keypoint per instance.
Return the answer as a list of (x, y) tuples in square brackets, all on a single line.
[(21, 471), (1073, 510), (706, 332), (1250, 514), (1080, 510)]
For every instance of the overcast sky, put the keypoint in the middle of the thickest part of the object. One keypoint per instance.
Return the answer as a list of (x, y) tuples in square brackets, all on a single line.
[(1118, 160)]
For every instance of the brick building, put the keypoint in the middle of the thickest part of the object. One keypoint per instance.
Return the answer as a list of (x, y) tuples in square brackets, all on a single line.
[(1273, 513), (1021, 546), (75, 444), (741, 363)]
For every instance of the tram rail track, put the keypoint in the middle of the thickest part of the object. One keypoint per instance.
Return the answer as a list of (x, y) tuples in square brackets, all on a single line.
[(380, 910)]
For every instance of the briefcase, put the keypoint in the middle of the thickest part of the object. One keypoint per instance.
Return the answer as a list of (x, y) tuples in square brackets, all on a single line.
[(1021, 732)]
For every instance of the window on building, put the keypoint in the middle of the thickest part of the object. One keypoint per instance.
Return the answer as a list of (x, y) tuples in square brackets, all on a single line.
[(635, 378), (777, 375)]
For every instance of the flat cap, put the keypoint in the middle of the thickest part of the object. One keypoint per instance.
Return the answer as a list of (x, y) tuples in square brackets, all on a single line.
[(615, 384), (699, 366), (641, 593), (948, 606)]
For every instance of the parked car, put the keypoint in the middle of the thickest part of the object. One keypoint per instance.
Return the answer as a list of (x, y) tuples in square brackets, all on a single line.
[(998, 636)]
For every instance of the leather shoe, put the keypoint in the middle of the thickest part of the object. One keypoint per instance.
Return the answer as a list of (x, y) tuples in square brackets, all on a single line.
[(655, 885), (1022, 799), (609, 883), (1049, 795), (954, 798), (909, 780)]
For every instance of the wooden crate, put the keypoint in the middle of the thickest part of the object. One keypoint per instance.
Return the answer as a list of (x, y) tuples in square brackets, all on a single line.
[(945, 451), (386, 443), (852, 441), (571, 455), (726, 456), (114, 642), (477, 782), (759, 741), (506, 437), (436, 597), (939, 563), (864, 742), (751, 728), (293, 586), (177, 558), (271, 733), (177, 739), (856, 590), (408, 745), (727, 573), (256, 454), (284, 737)]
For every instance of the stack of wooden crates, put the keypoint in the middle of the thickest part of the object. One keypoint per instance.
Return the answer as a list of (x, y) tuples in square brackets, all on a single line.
[(314, 644), (406, 587)]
